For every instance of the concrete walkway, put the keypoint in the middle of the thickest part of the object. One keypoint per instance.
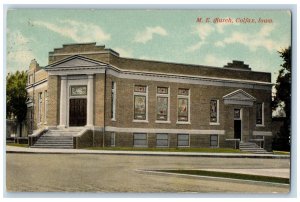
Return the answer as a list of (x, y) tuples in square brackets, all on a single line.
[(13, 149), (274, 172)]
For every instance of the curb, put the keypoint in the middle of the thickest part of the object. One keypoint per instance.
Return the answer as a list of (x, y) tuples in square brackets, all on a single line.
[(175, 154), (152, 172)]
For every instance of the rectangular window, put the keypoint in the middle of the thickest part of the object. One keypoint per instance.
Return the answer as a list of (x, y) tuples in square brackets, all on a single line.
[(140, 102), (237, 113), (183, 109), (40, 102), (162, 104), (162, 140), (214, 140), (30, 79), (46, 105), (140, 140), (112, 139), (214, 111), (183, 140), (113, 100), (183, 91), (259, 114), (140, 89)]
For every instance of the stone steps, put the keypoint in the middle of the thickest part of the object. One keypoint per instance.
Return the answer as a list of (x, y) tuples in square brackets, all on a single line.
[(252, 148), (53, 147), (57, 138)]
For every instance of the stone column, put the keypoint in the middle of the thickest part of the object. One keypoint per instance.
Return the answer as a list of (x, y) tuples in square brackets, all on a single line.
[(90, 101), (63, 102)]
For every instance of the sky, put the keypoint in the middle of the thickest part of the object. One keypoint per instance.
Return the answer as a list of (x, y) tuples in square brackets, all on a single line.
[(203, 37)]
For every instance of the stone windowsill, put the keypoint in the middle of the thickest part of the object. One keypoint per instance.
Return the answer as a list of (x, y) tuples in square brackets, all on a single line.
[(179, 122), (162, 121), (140, 121)]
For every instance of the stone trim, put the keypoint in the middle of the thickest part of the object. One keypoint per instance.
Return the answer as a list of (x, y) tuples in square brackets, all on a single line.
[(239, 91), (77, 70), (262, 133), (75, 57), (189, 79), (84, 53), (239, 97), (37, 85), (165, 130), (99, 67)]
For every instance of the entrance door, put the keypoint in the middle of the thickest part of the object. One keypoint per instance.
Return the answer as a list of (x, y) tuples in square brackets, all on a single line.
[(77, 112), (237, 129), (237, 124)]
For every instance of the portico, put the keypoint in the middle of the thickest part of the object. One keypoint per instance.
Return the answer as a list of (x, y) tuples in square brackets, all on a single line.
[(76, 90)]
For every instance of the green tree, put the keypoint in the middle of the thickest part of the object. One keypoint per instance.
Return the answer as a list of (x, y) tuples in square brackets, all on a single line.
[(282, 100), (16, 96)]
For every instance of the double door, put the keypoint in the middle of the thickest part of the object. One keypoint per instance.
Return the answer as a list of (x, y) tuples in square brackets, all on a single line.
[(77, 112)]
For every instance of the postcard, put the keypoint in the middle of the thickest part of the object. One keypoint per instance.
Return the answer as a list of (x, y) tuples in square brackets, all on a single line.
[(148, 100)]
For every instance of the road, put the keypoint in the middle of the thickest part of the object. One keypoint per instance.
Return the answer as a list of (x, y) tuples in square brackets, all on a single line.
[(121, 173)]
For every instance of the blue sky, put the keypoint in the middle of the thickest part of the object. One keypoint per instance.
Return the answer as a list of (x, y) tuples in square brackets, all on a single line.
[(164, 35)]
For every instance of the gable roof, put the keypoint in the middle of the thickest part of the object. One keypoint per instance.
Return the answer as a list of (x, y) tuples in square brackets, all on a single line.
[(239, 95), (75, 61)]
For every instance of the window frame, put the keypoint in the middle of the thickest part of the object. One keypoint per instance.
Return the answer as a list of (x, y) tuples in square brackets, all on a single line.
[(30, 79), (167, 95), (113, 100), (218, 113), (45, 105), (40, 104), (113, 137), (146, 103), (189, 140), (168, 140), (262, 115), (217, 141), (189, 106), (140, 146)]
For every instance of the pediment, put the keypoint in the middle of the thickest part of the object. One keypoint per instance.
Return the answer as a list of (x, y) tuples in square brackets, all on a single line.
[(75, 61), (239, 97)]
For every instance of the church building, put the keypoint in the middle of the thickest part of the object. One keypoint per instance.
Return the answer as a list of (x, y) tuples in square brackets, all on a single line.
[(88, 96)]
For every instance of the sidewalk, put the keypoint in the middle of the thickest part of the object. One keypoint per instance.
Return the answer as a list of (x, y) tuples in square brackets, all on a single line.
[(274, 172), (12, 149)]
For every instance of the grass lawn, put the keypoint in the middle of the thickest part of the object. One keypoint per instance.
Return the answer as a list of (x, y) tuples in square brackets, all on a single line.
[(230, 175), (17, 145), (205, 150), (281, 152)]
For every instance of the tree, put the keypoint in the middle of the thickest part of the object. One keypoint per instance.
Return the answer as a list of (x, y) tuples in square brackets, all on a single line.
[(282, 100), (16, 96)]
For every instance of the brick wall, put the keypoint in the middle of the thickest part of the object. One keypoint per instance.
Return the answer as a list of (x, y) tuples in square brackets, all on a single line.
[(54, 99), (200, 97), (99, 99)]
